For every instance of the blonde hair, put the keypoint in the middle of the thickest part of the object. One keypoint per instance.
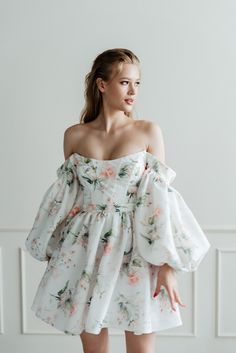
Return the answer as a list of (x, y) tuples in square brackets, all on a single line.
[(103, 67)]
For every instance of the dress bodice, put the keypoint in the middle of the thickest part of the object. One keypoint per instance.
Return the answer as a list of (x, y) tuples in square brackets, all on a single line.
[(137, 186), (110, 184)]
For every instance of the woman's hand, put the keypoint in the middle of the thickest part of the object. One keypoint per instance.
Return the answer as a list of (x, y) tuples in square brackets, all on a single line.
[(167, 278)]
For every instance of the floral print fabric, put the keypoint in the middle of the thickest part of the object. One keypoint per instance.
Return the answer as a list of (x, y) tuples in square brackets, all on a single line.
[(165, 228), (106, 226)]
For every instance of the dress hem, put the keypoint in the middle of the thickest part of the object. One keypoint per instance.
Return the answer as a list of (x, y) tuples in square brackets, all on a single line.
[(106, 325)]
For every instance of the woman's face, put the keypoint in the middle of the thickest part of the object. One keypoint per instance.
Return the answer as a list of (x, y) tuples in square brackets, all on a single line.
[(121, 87)]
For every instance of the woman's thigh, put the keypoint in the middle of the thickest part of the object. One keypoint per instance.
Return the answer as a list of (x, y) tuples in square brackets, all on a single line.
[(144, 343), (95, 343)]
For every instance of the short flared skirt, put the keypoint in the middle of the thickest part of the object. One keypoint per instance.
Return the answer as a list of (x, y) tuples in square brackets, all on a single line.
[(96, 278)]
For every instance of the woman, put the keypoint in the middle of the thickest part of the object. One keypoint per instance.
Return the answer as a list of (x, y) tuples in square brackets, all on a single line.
[(113, 229)]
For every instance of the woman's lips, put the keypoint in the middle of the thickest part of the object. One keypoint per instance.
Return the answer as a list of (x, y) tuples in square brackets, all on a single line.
[(129, 101)]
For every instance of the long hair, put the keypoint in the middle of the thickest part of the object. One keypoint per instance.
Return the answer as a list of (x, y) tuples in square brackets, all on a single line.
[(104, 66)]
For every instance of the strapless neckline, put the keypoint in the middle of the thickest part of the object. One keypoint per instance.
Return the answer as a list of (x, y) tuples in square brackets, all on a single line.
[(153, 158), (111, 160)]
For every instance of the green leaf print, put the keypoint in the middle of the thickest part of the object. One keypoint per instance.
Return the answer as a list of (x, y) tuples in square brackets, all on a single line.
[(90, 181), (106, 236), (86, 160), (128, 310), (101, 210), (96, 181), (136, 262), (102, 207), (150, 241), (141, 199), (185, 250), (63, 289), (117, 207), (53, 207), (124, 220), (65, 169), (123, 308), (155, 166), (123, 171), (64, 298), (129, 251), (89, 301), (151, 220)]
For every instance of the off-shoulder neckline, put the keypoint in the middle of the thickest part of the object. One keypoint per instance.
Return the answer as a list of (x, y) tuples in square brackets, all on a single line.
[(164, 168), (110, 160), (151, 155)]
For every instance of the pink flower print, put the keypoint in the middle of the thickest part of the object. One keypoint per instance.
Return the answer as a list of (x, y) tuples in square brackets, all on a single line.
[(107, 249), (63, 298), (83, 282), (157, 212), (76, 162), (91, 206), (110, 203), (73, 309), (129, 171), (55, 272), (74, 211), (133, 278), (108, 172)]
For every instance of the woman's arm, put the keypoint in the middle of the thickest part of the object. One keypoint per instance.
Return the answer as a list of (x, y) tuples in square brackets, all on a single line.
[(166, 274), (155, 140)]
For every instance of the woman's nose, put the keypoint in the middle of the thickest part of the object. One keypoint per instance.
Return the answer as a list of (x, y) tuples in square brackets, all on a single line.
[(131, 89)]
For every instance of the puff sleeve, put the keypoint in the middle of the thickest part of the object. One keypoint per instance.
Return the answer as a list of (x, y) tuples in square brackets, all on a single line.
[(55, 206), (165, 228)]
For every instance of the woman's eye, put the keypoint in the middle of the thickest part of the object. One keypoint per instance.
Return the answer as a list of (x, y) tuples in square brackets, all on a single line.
[(138, 83)]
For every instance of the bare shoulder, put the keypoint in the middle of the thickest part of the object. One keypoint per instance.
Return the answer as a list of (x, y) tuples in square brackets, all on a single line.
[(155, 139), (149, 126), (72, 134), (70, 130)]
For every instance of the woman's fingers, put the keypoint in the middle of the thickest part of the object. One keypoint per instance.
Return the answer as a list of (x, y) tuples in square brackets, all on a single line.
[(158, 288), (167, 278), (178, 300), (172, 293), (174, 298), (171, 297)]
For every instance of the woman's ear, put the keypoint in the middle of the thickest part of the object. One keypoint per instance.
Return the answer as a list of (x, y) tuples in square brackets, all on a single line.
[(100, 84)]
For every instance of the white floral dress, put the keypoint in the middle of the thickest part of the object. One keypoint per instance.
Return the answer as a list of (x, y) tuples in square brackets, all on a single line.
[(106, 226)]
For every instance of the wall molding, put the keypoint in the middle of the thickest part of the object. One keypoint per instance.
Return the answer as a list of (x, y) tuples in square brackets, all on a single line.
[(194, 316), (1, 295), (219, 252)]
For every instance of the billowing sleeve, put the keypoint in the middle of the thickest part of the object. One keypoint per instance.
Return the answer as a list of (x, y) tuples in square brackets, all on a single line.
[(165, 228), (56, 204)]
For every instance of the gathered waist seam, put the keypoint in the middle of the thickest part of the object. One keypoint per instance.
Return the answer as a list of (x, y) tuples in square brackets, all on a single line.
[(108, 208)]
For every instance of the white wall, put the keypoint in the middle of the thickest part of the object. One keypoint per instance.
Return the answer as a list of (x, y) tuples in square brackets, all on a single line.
[(188, 52)]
